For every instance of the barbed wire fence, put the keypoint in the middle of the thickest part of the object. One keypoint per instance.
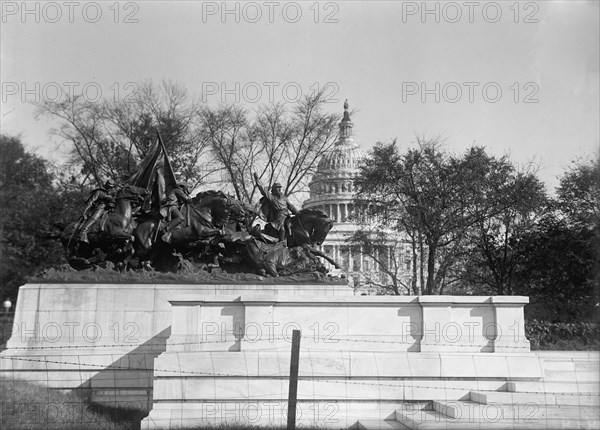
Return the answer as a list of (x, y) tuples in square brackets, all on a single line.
[(381, 384)]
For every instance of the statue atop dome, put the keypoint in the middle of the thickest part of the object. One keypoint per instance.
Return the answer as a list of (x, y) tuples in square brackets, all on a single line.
[(345, 125), (346, 117)]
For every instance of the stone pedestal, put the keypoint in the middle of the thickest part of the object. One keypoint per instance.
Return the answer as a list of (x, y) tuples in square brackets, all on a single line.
[(208, 354), (104, 337), (228, 356)]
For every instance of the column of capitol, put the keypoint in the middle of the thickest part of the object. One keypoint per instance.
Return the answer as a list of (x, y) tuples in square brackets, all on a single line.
[(332, 190)]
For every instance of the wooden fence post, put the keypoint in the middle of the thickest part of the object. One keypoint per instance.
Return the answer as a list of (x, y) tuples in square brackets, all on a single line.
[(293, 390)]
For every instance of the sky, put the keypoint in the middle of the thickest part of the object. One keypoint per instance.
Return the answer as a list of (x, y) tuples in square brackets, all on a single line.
[(520, 78)]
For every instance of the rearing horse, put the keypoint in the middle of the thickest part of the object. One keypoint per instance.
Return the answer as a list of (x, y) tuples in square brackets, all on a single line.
[(206, 217), (310, 227), (113, 228)]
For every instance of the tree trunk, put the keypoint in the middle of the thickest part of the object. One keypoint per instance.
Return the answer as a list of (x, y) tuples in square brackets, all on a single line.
[(421, 263), (395, 285), (415, 287), (431, 268)]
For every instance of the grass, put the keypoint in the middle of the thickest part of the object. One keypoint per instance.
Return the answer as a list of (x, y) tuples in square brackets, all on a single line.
[(27, 406)]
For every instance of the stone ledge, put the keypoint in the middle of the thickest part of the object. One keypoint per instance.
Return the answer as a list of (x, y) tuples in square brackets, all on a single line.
[(348, 364), (366, 300)]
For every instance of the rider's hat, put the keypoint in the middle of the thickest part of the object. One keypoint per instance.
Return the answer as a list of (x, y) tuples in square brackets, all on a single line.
[(109, 183), (275, 185)]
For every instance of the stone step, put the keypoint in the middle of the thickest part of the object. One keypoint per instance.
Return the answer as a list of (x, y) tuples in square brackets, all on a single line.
[(471, 411), (549, 399), (567, 370), (553, 387), (529, 412), (436, 420), (569, 376), (379, 425)]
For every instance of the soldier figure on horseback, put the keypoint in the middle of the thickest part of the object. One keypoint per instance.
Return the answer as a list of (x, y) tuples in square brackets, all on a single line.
[(170, 208), (130, 215), (276, 208), (99, 201)]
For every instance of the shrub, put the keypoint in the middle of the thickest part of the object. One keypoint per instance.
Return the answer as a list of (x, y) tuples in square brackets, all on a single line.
[(545, 335)]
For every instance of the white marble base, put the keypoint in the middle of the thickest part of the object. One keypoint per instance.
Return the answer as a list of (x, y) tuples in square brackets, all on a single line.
[(104, 337), (228, 357), (199, 354), (250, 388)]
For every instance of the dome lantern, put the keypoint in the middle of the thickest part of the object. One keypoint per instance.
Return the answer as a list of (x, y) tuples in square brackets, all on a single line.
[(337, 168), (345, 125)]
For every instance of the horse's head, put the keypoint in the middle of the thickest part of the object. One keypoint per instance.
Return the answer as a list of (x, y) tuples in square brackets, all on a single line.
[(316, 223), (223, 208)]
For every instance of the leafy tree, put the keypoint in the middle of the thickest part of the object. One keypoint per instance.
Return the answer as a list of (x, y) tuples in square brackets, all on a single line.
[(493, 253), (561, 269), (389, 274), (391, 214), (561, 272), (29, 205), (438, 197), (578, 194)]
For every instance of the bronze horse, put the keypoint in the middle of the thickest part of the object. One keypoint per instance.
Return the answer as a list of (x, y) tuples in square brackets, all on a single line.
[(278, 259), (206, 221), (111, 234), (309, 228)]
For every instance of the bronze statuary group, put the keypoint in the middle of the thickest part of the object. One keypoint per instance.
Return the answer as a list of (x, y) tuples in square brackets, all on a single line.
[(150, 221)]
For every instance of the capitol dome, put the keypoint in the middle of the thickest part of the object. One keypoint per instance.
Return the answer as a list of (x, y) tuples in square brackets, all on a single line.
[(332, 190), (333, 182), (346, 154), (343, 159)]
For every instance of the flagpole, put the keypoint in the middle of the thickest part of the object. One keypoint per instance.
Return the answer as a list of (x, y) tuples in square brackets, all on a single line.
[(170, 169)]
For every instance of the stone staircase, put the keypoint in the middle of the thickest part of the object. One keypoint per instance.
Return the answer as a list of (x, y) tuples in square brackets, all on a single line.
[(497, 410), (567, 397)]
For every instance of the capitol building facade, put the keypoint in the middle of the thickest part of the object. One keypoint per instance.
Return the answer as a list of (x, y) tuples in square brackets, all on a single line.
[(333, 191)]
